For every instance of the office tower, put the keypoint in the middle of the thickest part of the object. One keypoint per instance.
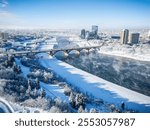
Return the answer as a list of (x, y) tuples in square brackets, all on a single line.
[(134, 38), (83, 33), (90, 34), (124, 36), (95, 29), (87, 35), (3, 36), (0, 35)]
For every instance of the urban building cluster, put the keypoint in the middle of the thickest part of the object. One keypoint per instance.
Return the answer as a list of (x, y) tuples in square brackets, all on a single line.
[(125, 37), (93, 34), (129, 38)]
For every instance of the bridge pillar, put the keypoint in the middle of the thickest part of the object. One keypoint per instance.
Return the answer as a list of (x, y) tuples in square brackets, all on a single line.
[(67, 51), (51, 53)]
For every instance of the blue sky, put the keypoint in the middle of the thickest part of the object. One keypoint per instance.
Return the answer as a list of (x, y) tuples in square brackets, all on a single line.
[(67, 14)]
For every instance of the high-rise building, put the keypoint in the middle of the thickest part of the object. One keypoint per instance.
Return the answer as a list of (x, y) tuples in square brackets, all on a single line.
[(83, 33), (3, 35), (95, 29), (87, 34), (134, 38), (124, 36), (0, 35), (90, 34)]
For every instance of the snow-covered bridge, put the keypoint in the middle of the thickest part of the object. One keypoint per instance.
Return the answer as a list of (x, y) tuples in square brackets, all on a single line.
[(51, 51)]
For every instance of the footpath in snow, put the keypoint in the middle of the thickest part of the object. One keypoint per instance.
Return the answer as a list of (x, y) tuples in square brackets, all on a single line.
[(98, 87)]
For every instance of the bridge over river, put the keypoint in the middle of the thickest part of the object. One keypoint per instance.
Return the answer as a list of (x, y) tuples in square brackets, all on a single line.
[(51, 51)]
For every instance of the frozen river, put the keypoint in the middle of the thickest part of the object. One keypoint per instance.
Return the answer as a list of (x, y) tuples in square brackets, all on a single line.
[(126, 72)]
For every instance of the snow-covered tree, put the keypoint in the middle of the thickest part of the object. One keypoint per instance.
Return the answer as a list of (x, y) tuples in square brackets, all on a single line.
[(112, 107), (55, 109), (29, 82), (22, 89), (79, 100), (58, 102), (72, 99), (16, 68), (80, 109), (10, 61), (93, 110), (67, 90), (35, 93), (42, 93), (37, 83), (85, 110), (47, 76), (41, 103), (28, 91)]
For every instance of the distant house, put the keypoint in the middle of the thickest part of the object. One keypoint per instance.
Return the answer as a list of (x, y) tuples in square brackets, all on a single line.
[(115, 37)]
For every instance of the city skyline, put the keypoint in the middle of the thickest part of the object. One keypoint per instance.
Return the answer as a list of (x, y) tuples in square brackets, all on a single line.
[(65, 14)]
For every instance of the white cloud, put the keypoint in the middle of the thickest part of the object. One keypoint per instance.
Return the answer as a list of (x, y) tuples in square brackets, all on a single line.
[(7, 15), (10, 20)]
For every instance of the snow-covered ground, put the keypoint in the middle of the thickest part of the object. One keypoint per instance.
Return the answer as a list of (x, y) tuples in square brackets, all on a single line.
[(98, 87), (54, 91), (134, 52), (87, 83), (137, 52), (10, 107)]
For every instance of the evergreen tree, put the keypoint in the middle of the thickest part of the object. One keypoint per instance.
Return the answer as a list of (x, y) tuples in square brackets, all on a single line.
[(42, 93), (80, 109)]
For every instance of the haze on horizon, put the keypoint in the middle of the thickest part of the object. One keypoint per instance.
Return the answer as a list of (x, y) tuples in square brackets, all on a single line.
[(69, 14)]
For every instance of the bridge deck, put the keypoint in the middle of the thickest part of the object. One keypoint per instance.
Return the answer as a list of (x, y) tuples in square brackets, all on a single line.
[(50, 50)]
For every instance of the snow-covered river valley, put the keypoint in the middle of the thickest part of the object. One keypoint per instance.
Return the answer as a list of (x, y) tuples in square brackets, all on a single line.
[(132, 74)]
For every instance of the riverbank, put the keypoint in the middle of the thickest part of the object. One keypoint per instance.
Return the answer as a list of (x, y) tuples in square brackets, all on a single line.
[(137, 52), (97, 87)]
